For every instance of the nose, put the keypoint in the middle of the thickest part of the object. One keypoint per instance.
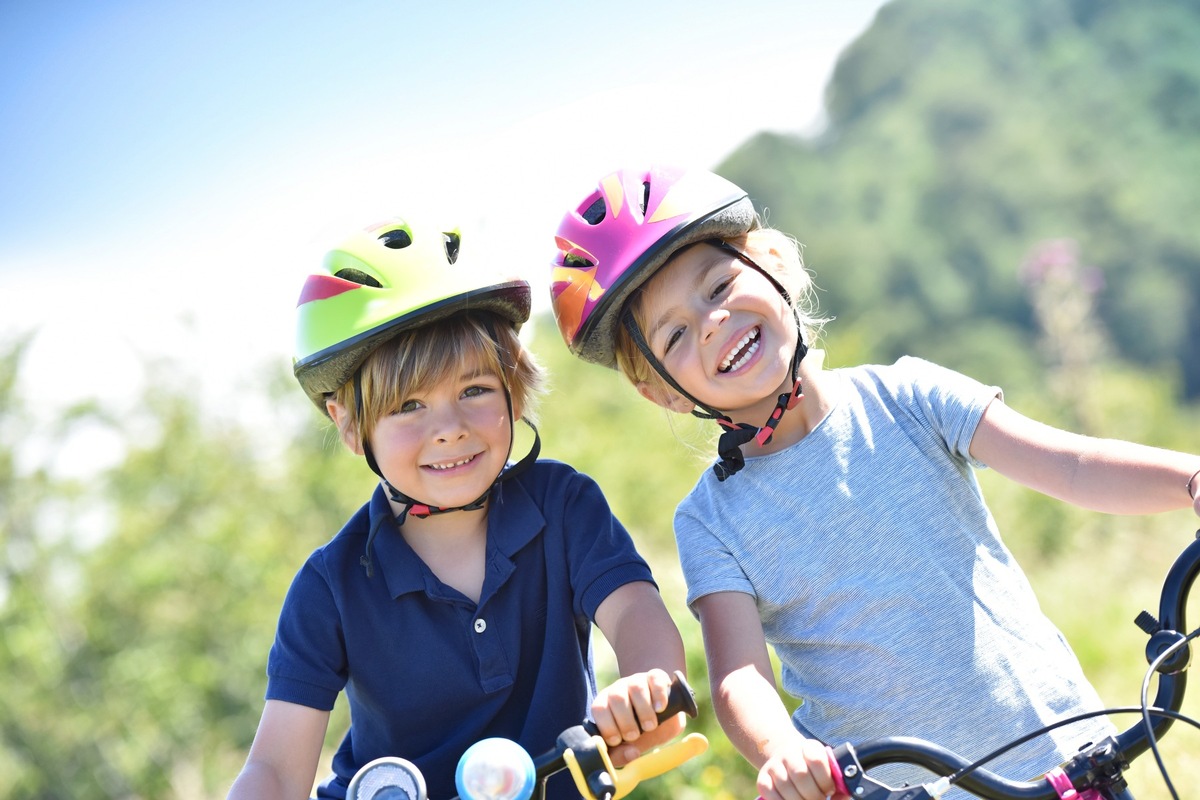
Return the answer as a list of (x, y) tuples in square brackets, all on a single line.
[(448, 425), (712, 322)]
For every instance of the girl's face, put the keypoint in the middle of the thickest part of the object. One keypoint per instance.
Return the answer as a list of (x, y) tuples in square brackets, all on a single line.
[(446, 443), (721, 329)]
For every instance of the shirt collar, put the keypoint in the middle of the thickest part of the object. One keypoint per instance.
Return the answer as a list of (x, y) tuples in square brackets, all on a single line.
[(514, 519)]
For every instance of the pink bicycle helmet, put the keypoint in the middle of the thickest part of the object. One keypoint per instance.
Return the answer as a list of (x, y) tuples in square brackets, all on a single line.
[(617, 237), (621, 233)]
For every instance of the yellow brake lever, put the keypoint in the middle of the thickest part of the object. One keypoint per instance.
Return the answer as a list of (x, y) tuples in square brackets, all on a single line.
[(656, 762), (595, 750), (647, 765)]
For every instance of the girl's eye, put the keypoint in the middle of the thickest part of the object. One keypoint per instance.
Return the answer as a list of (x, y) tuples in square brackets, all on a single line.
[(720, 288), (672, 338), (408, 406)]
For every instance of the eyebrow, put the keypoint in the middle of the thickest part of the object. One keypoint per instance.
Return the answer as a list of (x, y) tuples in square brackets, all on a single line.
[(475, 374), (653, 328)]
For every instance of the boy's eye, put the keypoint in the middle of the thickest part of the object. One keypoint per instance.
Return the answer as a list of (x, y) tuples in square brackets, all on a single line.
[(408, 406), (475, 391)]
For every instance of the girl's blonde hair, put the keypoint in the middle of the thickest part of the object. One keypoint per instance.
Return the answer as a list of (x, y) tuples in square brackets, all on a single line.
[(425, 356), (776, 252)]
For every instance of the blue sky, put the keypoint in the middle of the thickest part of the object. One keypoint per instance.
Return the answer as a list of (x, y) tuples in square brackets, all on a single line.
[(170, 170)]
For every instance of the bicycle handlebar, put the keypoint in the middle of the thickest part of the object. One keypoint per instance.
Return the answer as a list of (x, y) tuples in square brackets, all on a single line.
[(1097, 767), (579, 749)]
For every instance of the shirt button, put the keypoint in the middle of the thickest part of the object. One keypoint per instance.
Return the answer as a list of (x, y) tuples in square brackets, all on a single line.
[(480, 626)]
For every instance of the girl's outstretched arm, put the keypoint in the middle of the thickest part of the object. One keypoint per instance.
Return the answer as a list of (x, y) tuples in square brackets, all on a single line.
[(649, 649), (748, 706), (1108, 475), (282, 764)]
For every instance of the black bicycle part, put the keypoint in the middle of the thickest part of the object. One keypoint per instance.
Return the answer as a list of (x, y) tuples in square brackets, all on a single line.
[(1099, 767)]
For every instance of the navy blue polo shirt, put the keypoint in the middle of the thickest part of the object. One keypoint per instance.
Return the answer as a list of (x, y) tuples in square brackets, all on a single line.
[(428, 672)]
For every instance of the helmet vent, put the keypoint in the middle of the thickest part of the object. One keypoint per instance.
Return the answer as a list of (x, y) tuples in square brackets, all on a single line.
[(570, 260), (452, 242), (594, 214), (645, 196), (357, 276), (397, 239)]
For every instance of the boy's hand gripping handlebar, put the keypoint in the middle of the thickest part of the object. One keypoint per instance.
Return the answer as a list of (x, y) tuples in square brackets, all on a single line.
[(585, 755)]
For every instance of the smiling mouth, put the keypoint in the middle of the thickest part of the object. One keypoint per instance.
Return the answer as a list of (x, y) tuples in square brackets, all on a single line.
[(737, 359), (451, 464)]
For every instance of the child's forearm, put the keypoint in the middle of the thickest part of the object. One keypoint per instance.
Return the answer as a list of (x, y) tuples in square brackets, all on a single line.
[(654, 646), (640, 630), (259, 782), (1117, 477), (649, 649), (1106, 475), (1125, 478), (752, 715)]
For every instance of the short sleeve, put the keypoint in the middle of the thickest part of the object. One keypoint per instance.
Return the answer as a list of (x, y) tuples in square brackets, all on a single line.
[(951, 404), (708, 564), (307, 662), (601, 552)]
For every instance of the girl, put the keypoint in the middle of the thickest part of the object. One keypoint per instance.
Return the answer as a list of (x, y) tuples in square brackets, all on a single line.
[(842, 523), (457, 603)]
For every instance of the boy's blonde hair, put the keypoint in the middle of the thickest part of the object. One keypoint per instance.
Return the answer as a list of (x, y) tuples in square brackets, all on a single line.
[(776, 252), (425, 356)]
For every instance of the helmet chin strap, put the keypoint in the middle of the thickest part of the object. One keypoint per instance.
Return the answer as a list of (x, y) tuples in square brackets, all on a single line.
[(736, 434), (422, 510)]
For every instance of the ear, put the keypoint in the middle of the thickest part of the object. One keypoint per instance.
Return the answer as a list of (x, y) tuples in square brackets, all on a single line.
[(665, 397), (346, 430)]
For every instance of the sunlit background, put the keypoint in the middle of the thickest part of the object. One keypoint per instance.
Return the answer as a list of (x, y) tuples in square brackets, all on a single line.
[(169, 170), (1006, 188)]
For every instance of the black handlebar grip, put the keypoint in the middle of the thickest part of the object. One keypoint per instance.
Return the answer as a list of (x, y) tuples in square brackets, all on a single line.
[(682, 698)]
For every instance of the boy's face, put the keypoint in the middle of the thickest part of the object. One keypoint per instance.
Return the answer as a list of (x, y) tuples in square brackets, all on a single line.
[(447, 442), (721, 329)]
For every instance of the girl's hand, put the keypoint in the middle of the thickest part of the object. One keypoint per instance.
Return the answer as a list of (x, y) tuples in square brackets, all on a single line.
[(799, 772), (627, 712)]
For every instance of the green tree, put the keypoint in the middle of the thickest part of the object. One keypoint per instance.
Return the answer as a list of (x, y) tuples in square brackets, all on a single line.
[(960, 135), (136, 649)]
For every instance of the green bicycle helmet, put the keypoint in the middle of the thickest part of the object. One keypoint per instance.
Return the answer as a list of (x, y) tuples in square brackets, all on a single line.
[(385, 279)]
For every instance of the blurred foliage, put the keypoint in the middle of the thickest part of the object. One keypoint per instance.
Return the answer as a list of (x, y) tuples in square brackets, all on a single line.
[(963, 135), (138, 605), (1004, 188)]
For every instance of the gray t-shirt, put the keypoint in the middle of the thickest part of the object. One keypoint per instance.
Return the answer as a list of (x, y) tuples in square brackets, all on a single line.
[(882, 582)]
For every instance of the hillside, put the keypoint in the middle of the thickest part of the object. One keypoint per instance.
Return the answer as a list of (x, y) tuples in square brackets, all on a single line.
[(971, 146)]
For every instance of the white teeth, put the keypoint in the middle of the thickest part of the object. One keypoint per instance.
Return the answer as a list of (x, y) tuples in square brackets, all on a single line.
[(450, 466), (728, 364)]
